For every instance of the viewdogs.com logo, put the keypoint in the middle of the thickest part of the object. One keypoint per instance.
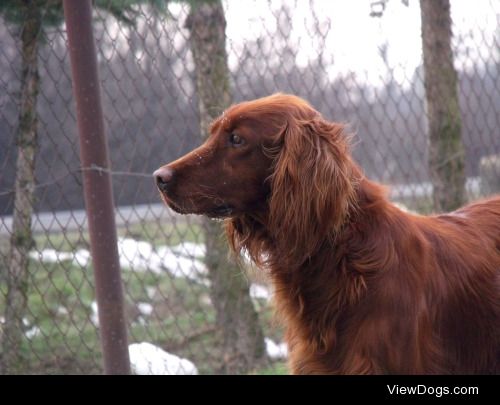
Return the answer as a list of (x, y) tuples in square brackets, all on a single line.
[(432, 391)]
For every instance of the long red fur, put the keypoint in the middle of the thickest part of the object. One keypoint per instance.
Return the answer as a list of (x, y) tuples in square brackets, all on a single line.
[(361, 286)]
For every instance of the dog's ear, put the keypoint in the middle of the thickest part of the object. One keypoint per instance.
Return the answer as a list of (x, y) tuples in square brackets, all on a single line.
[(312, 186)]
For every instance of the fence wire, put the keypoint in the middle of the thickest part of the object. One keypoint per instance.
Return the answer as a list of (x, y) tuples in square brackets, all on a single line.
[(371, 78)]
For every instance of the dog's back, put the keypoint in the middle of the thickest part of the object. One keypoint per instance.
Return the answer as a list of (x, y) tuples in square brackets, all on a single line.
[(466, 293)]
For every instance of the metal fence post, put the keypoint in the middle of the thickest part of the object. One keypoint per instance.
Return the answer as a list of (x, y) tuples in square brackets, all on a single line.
[(97, 186)]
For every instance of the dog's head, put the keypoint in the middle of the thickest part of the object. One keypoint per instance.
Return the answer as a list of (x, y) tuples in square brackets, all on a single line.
[(275, 157)]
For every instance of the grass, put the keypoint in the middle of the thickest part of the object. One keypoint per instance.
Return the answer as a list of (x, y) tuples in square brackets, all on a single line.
[(64, 242), (166, 233), (278, 368), (59, 305), (60, 301), (158, 234)]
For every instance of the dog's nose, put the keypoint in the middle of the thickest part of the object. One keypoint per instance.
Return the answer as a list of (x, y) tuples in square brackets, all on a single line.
[(163, 177)]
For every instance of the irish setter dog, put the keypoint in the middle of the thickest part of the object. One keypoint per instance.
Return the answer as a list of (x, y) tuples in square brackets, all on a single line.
[(362, 287)]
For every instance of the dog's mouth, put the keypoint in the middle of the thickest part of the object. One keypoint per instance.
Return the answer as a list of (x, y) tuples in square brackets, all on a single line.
[(174, 206), (219, 211)]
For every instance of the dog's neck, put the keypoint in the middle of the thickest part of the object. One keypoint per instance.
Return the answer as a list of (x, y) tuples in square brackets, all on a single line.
[(300, 289), (371, 202)]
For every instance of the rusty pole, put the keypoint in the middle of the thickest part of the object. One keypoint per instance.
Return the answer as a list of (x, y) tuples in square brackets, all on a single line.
[(97, 186)]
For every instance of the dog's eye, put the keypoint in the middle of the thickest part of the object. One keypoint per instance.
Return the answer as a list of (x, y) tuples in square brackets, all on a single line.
[(236, 140)]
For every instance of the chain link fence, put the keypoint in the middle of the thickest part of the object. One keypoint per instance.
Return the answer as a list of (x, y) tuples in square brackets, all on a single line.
[(371, 78)]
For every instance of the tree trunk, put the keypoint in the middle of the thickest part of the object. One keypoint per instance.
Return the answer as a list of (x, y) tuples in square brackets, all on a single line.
[(21, 239), (446, 150), (242, 337)]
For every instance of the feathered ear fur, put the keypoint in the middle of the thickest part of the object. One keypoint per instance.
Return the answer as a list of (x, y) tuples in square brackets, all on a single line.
[(312, 186)]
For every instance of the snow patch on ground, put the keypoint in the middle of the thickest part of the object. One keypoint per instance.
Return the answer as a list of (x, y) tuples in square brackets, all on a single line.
[(94, 318), (151, 292), (33, 332), (51, 256), (135, 254), (145, 308), (62, 311), (190, 249), (29, 333), (148, 359), (258, 291), (179, 266), (179, 261), (276, 351), (82, 258), (141, 256)]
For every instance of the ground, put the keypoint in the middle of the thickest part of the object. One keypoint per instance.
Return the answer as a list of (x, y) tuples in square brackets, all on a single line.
[(166, 295)]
